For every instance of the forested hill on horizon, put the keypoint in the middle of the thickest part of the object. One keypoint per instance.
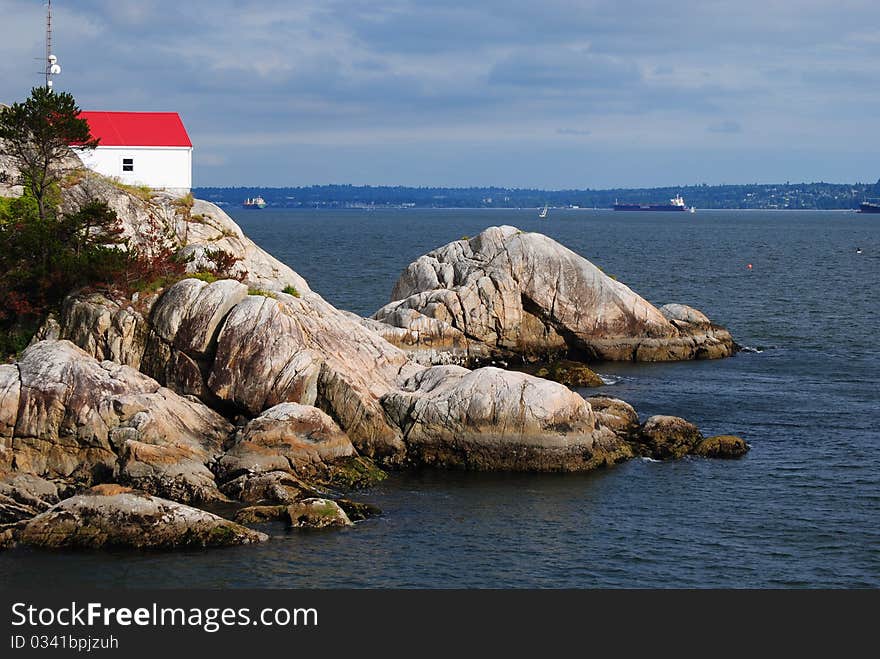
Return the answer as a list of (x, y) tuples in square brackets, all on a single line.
[(805, 196)]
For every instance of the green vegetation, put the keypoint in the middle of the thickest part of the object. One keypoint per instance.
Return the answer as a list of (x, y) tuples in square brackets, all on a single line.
[(290, 290), (43, 258), (185, 202), (5, 206), (263, 293), (208, 277), (142, 192), (45, 253), (37, 134)]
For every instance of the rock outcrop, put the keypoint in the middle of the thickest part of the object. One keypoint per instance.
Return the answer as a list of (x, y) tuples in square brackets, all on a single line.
[(664, 437), (617, 415), (23, 496), (509, 292), (722, 446), (288, 436), (67, 416), (114, 516), (495, 419), (149, 397), (193, 229), (316, 514)]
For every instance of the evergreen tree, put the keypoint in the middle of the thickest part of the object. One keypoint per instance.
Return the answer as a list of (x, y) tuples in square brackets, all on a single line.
[(37, 134)]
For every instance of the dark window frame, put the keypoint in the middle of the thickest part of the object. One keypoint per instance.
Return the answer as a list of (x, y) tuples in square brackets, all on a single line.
[(128, 164)]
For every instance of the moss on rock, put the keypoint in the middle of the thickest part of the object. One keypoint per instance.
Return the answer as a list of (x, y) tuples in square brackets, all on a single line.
[(722, 446)]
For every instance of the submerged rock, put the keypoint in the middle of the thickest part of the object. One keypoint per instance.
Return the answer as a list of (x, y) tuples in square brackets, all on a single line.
[(663, 437), (114, 516), (567, 372), (260, 514), (722, 446), (316, 514), (523, 293), (357, 510)]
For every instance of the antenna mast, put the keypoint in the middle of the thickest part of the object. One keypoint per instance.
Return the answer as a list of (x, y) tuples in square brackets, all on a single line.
[(52, 66)]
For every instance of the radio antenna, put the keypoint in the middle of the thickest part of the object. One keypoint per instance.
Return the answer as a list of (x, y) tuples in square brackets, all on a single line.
[(52, 66)]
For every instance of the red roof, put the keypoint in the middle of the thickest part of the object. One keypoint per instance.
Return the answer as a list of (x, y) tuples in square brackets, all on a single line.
[(137, 128)]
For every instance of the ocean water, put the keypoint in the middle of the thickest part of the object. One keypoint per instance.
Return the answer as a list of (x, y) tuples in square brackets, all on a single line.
[(802, 509)]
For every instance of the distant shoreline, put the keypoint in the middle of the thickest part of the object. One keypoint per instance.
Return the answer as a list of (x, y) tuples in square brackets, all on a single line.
[(786, 196)]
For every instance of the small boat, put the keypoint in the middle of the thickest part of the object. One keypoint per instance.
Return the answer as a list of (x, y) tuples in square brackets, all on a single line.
[(256, 203), (543, 213), (870, 206)]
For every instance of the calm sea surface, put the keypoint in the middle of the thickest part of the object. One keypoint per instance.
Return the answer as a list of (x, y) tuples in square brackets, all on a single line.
[(802, 509)]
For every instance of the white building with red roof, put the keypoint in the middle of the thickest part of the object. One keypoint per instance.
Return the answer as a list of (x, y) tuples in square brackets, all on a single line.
[(141, 148)]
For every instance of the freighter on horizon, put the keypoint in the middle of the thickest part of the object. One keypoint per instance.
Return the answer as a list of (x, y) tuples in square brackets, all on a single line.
[(257, 202), (870, 206), (675, 204)]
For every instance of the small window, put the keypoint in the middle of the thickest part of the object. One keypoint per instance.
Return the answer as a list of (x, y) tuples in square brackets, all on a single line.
[(128, 164)]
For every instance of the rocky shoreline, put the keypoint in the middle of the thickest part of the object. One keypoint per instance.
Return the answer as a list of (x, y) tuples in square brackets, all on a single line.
[(128, 413)]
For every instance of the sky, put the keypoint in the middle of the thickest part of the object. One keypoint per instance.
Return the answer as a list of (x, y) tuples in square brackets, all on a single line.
[(551, 94)]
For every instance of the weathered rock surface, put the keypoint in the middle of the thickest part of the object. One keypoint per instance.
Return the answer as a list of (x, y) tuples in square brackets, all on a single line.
[(617, 415), (261, 514), (316, 514), (664, 437), (288, 436), (267, 488), (722, 446), (105, 328), (523, 293), (74, 418), (23, 496), (114, 516), (153, 221), (495, 419)]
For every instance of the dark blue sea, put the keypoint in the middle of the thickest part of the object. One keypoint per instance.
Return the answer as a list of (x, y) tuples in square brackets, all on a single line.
[(801, 510)]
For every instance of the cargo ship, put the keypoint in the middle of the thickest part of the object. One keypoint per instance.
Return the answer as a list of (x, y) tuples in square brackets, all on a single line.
[(256, 202), (675, 204), (870, 206)]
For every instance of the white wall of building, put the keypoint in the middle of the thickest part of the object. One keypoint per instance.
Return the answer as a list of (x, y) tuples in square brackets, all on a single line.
[(157, 167)]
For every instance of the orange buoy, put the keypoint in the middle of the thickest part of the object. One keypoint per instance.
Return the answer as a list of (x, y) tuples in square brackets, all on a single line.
[(749, 266)]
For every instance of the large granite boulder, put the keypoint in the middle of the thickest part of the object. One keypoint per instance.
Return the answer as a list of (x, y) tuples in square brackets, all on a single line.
[(106, 328), (71, 417), (244, 352), (282, 348), (114, 516), (525, 294), (495, 419), (288, 436)]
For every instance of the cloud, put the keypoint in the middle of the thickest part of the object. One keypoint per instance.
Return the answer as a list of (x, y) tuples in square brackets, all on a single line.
[(397, 78)]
